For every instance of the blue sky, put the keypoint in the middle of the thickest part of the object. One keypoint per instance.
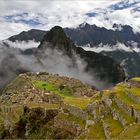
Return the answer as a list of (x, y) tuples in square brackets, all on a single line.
[(19, 15)]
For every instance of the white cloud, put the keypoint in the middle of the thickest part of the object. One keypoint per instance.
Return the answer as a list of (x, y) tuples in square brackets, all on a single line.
[(110, 48), (22, 44), (64, 13), (9, 29)]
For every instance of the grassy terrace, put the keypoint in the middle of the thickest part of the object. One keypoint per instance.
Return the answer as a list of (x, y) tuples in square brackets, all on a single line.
[(115, 127), (124, 115), (80, 102), (42, 105), (135, 91), (19, 84), (70, 117), (106, 92), (65, 92), (96, 131), (132, 132), (96, 97), (120, 93), (136, 79), (13, 116), (1, 118)]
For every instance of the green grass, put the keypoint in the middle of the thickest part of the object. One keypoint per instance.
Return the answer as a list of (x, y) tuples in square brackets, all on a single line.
[(95, 98), (81, 137), (125, 98), (80, 102), (115, 127), (18, 84), (65, 92), (1, 119), (42, 105), (135, 91), (131, 132), (96, 131), (124, 115), (120, 93), (136, 79), (13, 115), (72, 118)]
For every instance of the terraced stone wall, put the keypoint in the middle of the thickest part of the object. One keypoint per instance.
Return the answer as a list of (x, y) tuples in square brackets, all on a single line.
[(75, 111)]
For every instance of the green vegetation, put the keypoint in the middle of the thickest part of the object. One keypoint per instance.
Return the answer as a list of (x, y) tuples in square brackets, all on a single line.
[(63, 92), (42, 105), (121, 94), (72, 118), (13, 115), (33, 103), (96, 131), (133, 132), (80, 102), (124, 115), (135, 91), (114, 126), (136, 79), (1, 119), (18, 84)]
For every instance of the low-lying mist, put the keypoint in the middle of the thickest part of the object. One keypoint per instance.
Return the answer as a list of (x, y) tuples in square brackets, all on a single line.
[(13, 61)]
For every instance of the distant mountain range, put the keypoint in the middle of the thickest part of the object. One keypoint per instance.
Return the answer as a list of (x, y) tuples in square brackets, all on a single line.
[(88, 34), (58, 54), (93, 35), (97, 65), (32, 34), (121, 41), (121, 44)]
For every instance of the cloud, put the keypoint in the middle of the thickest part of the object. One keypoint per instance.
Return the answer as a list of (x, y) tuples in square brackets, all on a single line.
[(17, 16), (13, 62), (23, 45), (132, 47), (124, 12)]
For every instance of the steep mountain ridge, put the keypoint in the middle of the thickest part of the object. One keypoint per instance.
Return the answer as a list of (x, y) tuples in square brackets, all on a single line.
[(121, 41), (58, 54), (32, 34), (96, 64), (94, 35), (42, 105), (130, 61), (58, 40), (88, 34)]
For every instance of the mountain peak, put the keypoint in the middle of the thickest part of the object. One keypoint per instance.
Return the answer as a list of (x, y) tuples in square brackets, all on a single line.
[(84, 24), (58, 39), (56, 36)]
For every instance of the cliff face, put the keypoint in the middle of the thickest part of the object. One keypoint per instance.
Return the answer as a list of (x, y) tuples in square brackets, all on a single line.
[(42, 105)]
